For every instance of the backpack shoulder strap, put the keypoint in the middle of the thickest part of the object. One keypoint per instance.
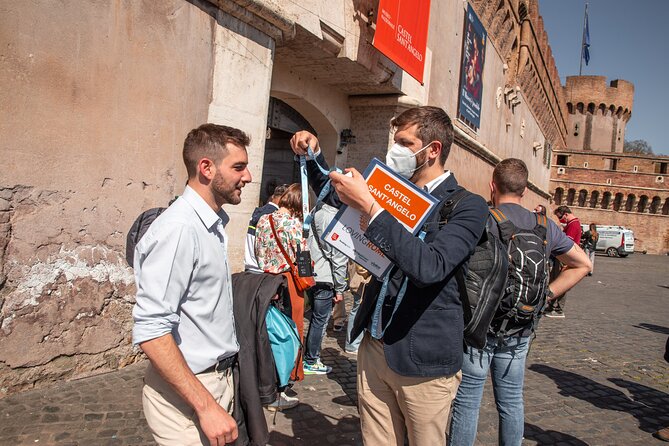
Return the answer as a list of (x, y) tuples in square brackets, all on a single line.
[(506, 228), (451, 203)]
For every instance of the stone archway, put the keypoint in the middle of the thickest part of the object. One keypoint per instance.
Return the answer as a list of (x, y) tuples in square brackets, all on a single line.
[(279, 166)]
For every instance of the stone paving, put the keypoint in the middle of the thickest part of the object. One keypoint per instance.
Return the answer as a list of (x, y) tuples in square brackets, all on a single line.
[(596, 377)]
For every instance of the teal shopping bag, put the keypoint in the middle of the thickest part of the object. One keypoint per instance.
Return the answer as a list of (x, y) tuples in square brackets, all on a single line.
[(284, 341)]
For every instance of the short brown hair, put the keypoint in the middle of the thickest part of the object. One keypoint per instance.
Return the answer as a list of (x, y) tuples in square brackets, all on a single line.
[(292, 200), (208, 141), (433, 125), (510, 176), (561, 210)]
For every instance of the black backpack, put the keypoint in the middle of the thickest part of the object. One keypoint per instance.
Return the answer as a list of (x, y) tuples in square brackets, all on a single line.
[(488, 289), (137, 230), (527, 283)]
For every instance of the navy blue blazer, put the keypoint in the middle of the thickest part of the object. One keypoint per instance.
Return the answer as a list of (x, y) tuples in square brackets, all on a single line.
[(424, 338)]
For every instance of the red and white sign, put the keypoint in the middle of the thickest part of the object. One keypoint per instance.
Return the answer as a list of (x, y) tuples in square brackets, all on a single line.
[(401, 33)]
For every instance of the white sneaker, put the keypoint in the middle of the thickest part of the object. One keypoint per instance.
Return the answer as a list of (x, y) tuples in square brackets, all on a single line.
[(283, 402)]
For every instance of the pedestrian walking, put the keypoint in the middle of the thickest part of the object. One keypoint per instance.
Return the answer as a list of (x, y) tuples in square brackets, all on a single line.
[(572, 229), (590, 239)]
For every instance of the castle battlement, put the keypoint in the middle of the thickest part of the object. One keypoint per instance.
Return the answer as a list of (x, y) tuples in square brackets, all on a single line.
[(591, 93)]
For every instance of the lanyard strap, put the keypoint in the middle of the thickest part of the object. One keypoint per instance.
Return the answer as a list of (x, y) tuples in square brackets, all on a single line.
[(377, 330), (307, 217)]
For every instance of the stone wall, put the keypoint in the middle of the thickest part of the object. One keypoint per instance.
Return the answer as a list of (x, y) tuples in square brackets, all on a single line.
[(101, 95), (651, 232), (634, 195)]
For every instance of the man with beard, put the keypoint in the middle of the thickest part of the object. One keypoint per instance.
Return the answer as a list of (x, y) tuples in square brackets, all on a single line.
[(410, 356), (183, 315)]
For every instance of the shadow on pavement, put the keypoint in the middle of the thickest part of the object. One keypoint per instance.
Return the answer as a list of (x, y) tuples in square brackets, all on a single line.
[(549, 437), (641, 405), (347, 381), (317, 428), (653, 327)]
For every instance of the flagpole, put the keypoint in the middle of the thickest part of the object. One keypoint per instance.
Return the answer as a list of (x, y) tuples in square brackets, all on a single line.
[(585, 16)]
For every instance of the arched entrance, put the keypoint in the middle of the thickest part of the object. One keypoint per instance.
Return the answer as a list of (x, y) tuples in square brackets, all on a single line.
[(279, 166)]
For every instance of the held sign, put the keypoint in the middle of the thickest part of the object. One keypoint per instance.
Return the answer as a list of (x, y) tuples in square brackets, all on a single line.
[(409, 204), (406, 203), (401, 33)]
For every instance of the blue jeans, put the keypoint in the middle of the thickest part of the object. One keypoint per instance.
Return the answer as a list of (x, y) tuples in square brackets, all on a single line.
[(352, 345), (507, 365), (321, 307)]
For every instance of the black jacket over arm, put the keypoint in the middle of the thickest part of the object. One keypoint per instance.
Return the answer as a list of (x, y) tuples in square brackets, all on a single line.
[(424, 338), (257, 380)]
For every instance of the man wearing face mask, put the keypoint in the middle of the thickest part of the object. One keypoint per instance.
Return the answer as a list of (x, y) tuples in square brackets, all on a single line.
[(411, 353)]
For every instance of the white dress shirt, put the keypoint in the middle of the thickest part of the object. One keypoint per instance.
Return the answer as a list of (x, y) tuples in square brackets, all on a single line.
[(183, 282)]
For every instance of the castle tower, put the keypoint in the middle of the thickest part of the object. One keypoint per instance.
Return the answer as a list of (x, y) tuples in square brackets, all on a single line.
[(598, 113)]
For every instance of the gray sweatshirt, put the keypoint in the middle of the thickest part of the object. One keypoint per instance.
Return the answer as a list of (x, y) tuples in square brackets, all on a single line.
[(330, 265)]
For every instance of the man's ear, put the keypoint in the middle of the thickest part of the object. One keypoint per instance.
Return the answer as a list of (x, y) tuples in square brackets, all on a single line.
[(206, 168), (435, 150), (524, 192), (492, 186)]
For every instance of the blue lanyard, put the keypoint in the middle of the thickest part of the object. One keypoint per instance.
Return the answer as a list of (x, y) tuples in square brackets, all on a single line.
[(376, 328), (306, 225)]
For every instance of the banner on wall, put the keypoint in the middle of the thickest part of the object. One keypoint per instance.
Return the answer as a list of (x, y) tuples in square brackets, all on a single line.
[(401, 33), (471, 77)]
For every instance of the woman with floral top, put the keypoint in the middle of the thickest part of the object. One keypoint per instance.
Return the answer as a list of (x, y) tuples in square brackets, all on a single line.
[(288, 225)]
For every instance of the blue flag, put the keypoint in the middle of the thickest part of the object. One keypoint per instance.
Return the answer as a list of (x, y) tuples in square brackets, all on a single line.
[(586, 39)]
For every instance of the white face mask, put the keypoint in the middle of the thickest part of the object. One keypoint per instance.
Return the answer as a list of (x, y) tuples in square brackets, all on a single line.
[(403, 161)]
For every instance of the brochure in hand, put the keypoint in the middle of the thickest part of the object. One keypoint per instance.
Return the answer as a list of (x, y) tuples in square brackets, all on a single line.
[(409, 204)]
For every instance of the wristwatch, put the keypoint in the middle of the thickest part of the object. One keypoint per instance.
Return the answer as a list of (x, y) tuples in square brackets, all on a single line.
[(550, 294)]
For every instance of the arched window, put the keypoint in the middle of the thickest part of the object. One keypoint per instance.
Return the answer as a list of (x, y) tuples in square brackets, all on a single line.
[(618, 201), (557, 198), (629, 204), (643, 203), (665, 208), (594, 198), (582, 195), (655, 205), (571, 194), (606, 200)]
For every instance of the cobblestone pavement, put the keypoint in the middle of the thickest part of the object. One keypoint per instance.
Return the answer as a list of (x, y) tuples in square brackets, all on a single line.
[(596, 377)]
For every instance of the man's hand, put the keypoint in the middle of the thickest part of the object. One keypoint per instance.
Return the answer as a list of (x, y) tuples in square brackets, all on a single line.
[(353, 191), (165, 356), (303, 139), (338, 298), (217, 424)]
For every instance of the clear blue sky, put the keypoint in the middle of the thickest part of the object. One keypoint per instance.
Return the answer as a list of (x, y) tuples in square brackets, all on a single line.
[(628, 40)]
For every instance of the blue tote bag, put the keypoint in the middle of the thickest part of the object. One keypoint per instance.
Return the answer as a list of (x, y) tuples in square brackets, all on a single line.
[(284, 341)]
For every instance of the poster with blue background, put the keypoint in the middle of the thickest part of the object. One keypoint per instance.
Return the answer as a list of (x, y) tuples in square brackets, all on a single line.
[(471, 76)]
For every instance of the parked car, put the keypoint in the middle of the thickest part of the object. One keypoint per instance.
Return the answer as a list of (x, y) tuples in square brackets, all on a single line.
[(615, 241)]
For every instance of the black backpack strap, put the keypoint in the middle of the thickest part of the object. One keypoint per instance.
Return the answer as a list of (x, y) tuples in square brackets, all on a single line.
[(451, 203)]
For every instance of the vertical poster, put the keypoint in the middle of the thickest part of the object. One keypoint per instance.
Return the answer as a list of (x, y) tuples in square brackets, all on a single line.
[(401, 33), (471, 76)]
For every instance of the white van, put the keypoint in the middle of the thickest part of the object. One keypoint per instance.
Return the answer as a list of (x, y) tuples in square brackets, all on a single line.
[(615, 241)]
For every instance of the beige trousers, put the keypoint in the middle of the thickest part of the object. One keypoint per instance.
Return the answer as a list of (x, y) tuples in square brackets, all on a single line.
[(393, 405), (171, 420)]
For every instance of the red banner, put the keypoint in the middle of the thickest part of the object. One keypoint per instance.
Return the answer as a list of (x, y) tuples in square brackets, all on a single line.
[(401, 33)]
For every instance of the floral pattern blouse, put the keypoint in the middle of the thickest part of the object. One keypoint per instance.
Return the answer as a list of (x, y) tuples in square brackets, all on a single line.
[(289, 230)]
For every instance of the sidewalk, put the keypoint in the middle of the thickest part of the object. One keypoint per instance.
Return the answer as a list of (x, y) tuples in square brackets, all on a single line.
[(596, 377)]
